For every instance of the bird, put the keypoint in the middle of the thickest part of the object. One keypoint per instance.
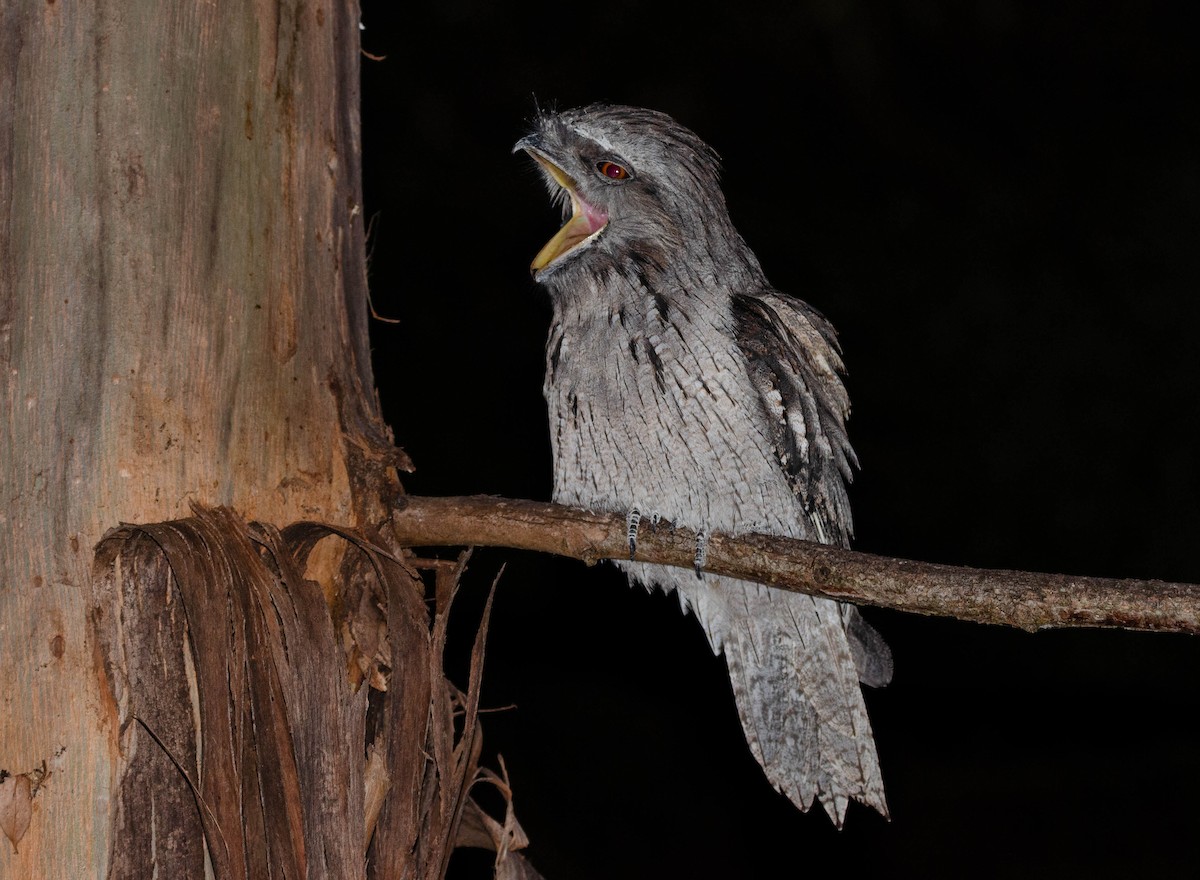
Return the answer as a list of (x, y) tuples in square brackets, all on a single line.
[(681, 386)]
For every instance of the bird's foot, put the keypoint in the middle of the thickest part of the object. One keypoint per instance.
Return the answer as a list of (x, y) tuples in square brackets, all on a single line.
[(701, 552), (633, 523), (631, 530)]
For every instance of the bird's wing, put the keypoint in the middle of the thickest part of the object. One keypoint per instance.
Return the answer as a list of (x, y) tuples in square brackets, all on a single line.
[(794, 363)]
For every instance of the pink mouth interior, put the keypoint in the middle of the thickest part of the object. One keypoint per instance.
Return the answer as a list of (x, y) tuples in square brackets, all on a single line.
[(594, 218)]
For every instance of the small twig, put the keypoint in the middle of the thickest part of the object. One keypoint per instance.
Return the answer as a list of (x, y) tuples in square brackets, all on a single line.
[(1027, 600), (369, 237)]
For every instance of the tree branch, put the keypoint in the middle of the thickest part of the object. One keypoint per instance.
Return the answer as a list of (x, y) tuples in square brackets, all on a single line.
[(1028, 600)]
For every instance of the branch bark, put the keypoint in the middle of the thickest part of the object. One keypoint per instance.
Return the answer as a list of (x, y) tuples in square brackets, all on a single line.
[(1027, 600)]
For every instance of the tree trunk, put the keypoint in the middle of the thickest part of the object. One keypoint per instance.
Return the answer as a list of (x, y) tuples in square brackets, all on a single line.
[(183, 345)]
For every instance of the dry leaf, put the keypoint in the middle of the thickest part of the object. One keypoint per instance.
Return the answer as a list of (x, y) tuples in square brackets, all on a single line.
[(478, 829), (16, 807)]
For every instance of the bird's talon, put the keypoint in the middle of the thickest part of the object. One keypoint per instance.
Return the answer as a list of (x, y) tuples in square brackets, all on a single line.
[(701, 552), (631, 530)]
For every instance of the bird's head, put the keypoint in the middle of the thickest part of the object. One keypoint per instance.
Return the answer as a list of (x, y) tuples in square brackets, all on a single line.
[(635, 187)]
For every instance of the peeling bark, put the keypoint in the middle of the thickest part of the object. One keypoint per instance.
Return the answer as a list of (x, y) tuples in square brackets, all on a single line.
[(241, 720)]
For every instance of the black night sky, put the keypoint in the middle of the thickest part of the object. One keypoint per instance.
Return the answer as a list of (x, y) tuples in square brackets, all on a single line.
[(998, 205)]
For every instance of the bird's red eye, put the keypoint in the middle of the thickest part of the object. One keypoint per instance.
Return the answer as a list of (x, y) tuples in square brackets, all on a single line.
[(612, 170)]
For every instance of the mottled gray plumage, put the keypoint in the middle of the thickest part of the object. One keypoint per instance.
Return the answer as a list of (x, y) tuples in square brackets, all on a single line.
[(681, 384)]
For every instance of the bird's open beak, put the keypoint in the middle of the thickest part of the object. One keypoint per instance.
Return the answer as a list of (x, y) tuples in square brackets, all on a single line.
[(585, 223)]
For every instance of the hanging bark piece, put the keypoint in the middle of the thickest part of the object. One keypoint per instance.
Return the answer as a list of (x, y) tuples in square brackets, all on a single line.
[(418, 828), (221, 651), (244, 726)]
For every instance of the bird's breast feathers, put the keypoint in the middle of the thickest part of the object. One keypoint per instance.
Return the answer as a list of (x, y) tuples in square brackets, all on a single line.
[(651, 406)]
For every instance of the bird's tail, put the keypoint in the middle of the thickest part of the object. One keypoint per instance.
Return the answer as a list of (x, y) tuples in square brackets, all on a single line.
[(794, 675)]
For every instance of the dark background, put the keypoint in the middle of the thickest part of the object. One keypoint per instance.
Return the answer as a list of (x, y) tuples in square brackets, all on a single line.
[(998, 205)]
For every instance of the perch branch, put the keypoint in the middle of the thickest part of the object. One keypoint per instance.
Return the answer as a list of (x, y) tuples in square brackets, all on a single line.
[(1027, 600)]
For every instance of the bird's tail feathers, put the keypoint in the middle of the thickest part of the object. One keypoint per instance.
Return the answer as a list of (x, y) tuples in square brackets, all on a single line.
[(796, 683)]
